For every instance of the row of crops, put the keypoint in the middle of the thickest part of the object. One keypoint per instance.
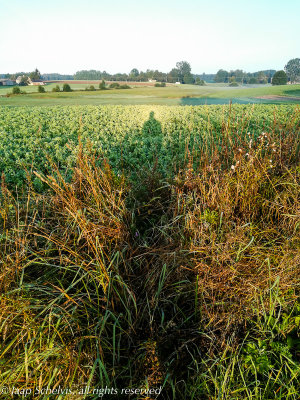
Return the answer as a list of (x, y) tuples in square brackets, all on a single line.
[(130, 137)]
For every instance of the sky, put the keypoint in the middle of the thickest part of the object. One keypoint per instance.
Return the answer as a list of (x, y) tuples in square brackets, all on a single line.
[(66, 36)]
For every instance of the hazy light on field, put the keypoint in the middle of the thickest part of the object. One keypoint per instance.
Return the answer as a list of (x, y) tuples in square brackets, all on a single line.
[(68, 35)]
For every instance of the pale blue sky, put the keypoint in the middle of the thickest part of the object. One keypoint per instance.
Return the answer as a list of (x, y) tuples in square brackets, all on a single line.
[(113, 35)]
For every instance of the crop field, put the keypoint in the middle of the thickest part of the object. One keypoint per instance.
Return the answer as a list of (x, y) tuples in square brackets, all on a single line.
[(121, 133), (136, 95), (150, 247)]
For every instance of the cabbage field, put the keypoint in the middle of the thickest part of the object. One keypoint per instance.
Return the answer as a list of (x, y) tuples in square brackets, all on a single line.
[(150, 252)]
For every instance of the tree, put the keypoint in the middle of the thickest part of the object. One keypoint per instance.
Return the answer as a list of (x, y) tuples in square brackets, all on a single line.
[(35, 75), (24, 80), (188, 79), (184, 69), (134, 73), (262, 78), (292, 69), (173, 75), (67, 88), (221, 76), (279, 78), (56, 89), (41, 89), (253, 80)]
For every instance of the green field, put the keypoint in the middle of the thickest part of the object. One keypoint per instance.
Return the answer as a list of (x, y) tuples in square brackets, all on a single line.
[(28, 134), (170, 95), (150, 247)]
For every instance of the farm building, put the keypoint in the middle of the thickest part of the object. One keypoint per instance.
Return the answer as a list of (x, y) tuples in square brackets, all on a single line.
[(6, 82), (35, 83), (152, 80), (19, 79)]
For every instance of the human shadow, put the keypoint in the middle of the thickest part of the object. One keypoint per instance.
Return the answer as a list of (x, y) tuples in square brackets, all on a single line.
[(151, 141), (152, 126)]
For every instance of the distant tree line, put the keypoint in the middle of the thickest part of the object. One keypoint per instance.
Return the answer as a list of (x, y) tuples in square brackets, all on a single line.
[(240, 76), (181, 73), (57, 77)]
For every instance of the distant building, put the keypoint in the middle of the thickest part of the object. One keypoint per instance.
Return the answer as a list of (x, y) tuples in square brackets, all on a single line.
[(19, 79), (6, 82), (35, 83), (152, 80), (177, 83)]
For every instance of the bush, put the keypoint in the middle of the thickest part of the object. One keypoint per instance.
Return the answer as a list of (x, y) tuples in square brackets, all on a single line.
[(90, 88), (102, 85), (56, 89), (233, 84), (114, 85), (41, 89), (124, 87), (16, 90), (279, 78), (199, 82), (67, 88), (162, 84)]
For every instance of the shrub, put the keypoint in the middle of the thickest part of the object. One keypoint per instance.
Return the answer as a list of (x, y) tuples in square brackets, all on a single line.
[(279, 78), (90, 88), (233, 84), (56, 89), (199, 82), (102, 85), (114, 85), (67, 88), (41, 89), (16, 90), (124, 86), (162, 84)]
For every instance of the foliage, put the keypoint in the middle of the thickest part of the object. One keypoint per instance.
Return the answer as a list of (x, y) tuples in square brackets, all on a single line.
[(221, 76), (56, 89), (114, 85), (16, 90), (41, 89), (102, 85), (35, 75), (279, 78), (90, 88), (292, 69), (66, 87), (157, 251), (253, 81), (199, 82), (24, 80), (233, 84), (188, 79), (124, 86), (160, 84), (26, 134)]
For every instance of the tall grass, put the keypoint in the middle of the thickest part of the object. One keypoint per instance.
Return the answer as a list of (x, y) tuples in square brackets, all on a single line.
[(188, 283)]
